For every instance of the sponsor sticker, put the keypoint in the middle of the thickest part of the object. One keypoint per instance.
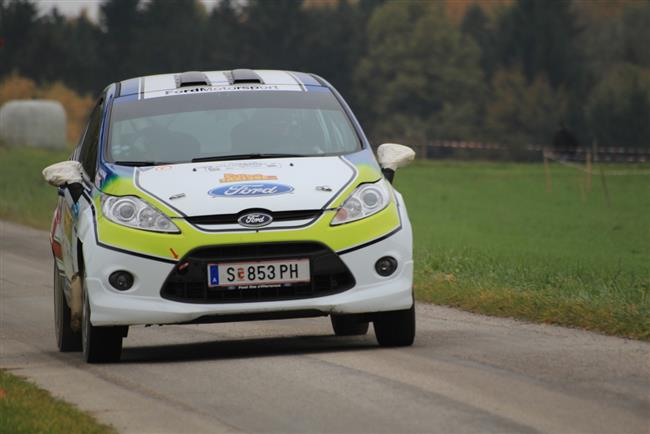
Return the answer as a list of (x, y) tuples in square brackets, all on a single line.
[(226, 88), (250, 190), (241, 177), (230, 165)]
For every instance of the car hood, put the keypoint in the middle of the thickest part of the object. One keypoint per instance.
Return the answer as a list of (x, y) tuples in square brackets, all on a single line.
[(228, 187)]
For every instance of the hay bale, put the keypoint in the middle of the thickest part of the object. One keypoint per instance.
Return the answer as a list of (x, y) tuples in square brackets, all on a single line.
[(36, 123)]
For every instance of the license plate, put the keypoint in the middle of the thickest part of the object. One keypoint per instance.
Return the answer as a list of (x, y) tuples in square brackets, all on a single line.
[(262, 273)]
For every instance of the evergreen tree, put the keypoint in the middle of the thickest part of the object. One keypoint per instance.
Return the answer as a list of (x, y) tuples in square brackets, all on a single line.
[(83, 39), (169, 37), (222, 38), (18, 19), (540, 37), (119, 20), (636, 34), (45, 55), (335, 42), (476, 25), (273, 34)]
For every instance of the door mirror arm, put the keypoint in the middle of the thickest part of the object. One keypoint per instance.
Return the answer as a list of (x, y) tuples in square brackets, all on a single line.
[(75, 189), (389, 174)]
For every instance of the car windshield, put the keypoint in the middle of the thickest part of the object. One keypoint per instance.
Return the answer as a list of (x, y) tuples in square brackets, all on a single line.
[(225, 125)]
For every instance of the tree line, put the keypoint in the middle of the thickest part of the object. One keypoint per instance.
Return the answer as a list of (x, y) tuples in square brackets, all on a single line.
[(509, 72)]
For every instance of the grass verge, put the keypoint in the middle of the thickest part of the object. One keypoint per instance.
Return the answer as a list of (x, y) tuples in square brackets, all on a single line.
[(24, 196), (24, 408), (490, 239)]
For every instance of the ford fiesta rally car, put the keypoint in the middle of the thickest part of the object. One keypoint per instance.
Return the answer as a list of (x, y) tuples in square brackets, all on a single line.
[(205, 197)]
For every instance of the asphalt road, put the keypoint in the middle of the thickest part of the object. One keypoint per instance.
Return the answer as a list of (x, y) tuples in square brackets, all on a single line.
[(466, 373)]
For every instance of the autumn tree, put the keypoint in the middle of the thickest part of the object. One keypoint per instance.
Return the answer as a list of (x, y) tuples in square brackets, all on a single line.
[(619, 107), (421, 77), (523, 114)]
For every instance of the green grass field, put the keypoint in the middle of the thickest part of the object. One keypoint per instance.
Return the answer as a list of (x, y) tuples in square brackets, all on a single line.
[(488, 237), (26, 409), (24, 196)]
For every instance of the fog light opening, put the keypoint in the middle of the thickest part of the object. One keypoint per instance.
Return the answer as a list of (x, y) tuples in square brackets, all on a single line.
[(386, 266), (121, 280)]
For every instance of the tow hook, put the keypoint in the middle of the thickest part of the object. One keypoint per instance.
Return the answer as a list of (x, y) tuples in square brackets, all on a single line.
[(75, 303)]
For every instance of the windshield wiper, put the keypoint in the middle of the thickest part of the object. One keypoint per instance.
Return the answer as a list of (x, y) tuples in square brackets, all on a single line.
[(243, 157), (137, 163)]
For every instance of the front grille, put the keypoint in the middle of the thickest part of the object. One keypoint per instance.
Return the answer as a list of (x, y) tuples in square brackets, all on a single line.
[(278, 216), (188, 281)]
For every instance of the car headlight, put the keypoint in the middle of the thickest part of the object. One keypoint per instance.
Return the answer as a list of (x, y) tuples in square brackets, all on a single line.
[(134, 212), (366, 200)]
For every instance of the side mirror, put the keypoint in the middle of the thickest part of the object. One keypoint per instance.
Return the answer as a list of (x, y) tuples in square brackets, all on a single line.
[(392, 156), (66, 174)]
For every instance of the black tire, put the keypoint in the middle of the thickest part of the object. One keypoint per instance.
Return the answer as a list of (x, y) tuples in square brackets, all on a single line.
[(348, 325), (100, 344), (395, 329), (67, 340)]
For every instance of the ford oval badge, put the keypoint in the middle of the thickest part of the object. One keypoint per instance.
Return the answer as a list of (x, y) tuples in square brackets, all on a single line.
[(255, 219), (250, 190)]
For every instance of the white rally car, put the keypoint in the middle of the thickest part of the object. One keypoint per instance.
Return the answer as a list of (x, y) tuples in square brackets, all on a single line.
[(205, 197)]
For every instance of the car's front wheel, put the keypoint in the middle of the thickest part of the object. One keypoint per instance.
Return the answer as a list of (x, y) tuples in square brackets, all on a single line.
[(396, 328), (100, 344), (348, 325), (66, 339)]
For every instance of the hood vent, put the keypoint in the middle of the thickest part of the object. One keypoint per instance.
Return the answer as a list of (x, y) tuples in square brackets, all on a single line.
[(239, 76), (192, 78)]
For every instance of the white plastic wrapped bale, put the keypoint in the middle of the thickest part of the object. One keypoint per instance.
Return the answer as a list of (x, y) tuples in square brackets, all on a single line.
[(36, 123)]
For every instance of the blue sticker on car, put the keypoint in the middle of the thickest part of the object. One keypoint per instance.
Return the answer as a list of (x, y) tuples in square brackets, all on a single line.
[(250, 190), (213, 274)]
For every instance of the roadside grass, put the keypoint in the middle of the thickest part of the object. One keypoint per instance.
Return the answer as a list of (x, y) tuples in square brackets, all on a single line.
[(490, 239), (24, 408), (24, 196)]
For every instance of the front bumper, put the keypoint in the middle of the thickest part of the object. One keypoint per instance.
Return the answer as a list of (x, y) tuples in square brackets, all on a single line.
[(143, 303)]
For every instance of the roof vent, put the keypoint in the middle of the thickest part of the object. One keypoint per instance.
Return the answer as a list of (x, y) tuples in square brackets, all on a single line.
[(238, 76), (192, 78)]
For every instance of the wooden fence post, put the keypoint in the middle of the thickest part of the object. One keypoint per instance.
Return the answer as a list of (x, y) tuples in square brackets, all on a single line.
[(547, 172), (589, 168), (605, 189)]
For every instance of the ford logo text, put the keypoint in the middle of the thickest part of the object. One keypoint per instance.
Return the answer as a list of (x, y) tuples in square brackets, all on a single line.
[(250, 190), (255, 219)]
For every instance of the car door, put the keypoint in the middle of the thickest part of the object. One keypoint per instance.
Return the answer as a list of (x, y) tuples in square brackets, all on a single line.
[(71, 209)]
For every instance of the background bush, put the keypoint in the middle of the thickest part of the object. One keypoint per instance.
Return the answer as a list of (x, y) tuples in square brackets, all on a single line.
[(75, 105)]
